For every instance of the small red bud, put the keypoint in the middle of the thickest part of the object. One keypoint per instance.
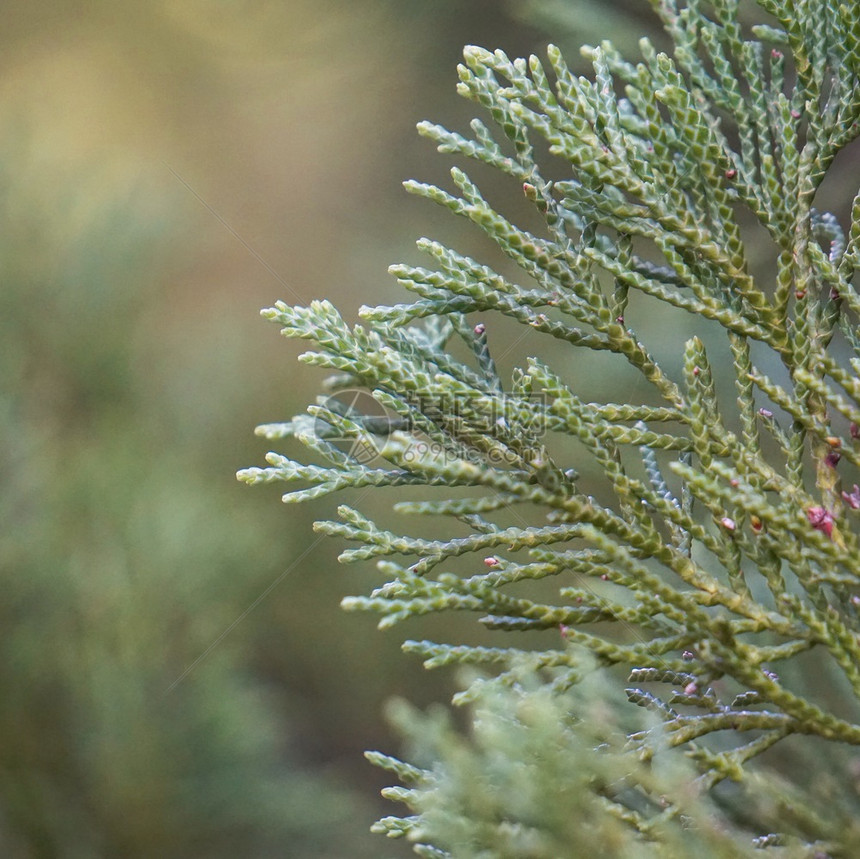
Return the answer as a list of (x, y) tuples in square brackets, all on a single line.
[(731, 173), (479, 329), (821, 520), (727, 523), (491, 561)]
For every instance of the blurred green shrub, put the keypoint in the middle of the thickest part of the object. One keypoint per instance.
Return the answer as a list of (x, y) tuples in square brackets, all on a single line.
[(116, 569)]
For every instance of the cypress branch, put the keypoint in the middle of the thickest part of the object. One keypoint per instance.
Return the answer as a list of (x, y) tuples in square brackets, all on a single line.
[(718, 541)]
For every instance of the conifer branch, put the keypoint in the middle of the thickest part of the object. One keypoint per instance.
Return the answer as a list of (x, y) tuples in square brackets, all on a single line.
[(721, 541)]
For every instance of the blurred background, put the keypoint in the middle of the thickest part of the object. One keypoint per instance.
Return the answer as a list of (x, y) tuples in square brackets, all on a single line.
[(176, 677)]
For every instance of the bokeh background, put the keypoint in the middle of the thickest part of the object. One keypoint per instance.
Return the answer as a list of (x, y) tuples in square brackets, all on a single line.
[(176, 677)]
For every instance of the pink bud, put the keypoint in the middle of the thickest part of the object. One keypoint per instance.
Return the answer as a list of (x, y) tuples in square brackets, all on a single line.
[(491, 561), (821, 520), (852, 499), (728, 524)]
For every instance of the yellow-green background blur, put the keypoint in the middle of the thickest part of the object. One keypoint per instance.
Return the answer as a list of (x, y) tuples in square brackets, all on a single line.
[(176, 678)]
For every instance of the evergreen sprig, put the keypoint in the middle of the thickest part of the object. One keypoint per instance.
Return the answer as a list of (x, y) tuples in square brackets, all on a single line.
[(721, 546)]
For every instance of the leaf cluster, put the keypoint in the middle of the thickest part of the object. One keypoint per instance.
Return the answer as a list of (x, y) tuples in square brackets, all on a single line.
[(721, 549)]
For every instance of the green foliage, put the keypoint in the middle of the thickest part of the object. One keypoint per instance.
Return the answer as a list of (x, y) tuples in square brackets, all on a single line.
[(544, 773), (716, 561)]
